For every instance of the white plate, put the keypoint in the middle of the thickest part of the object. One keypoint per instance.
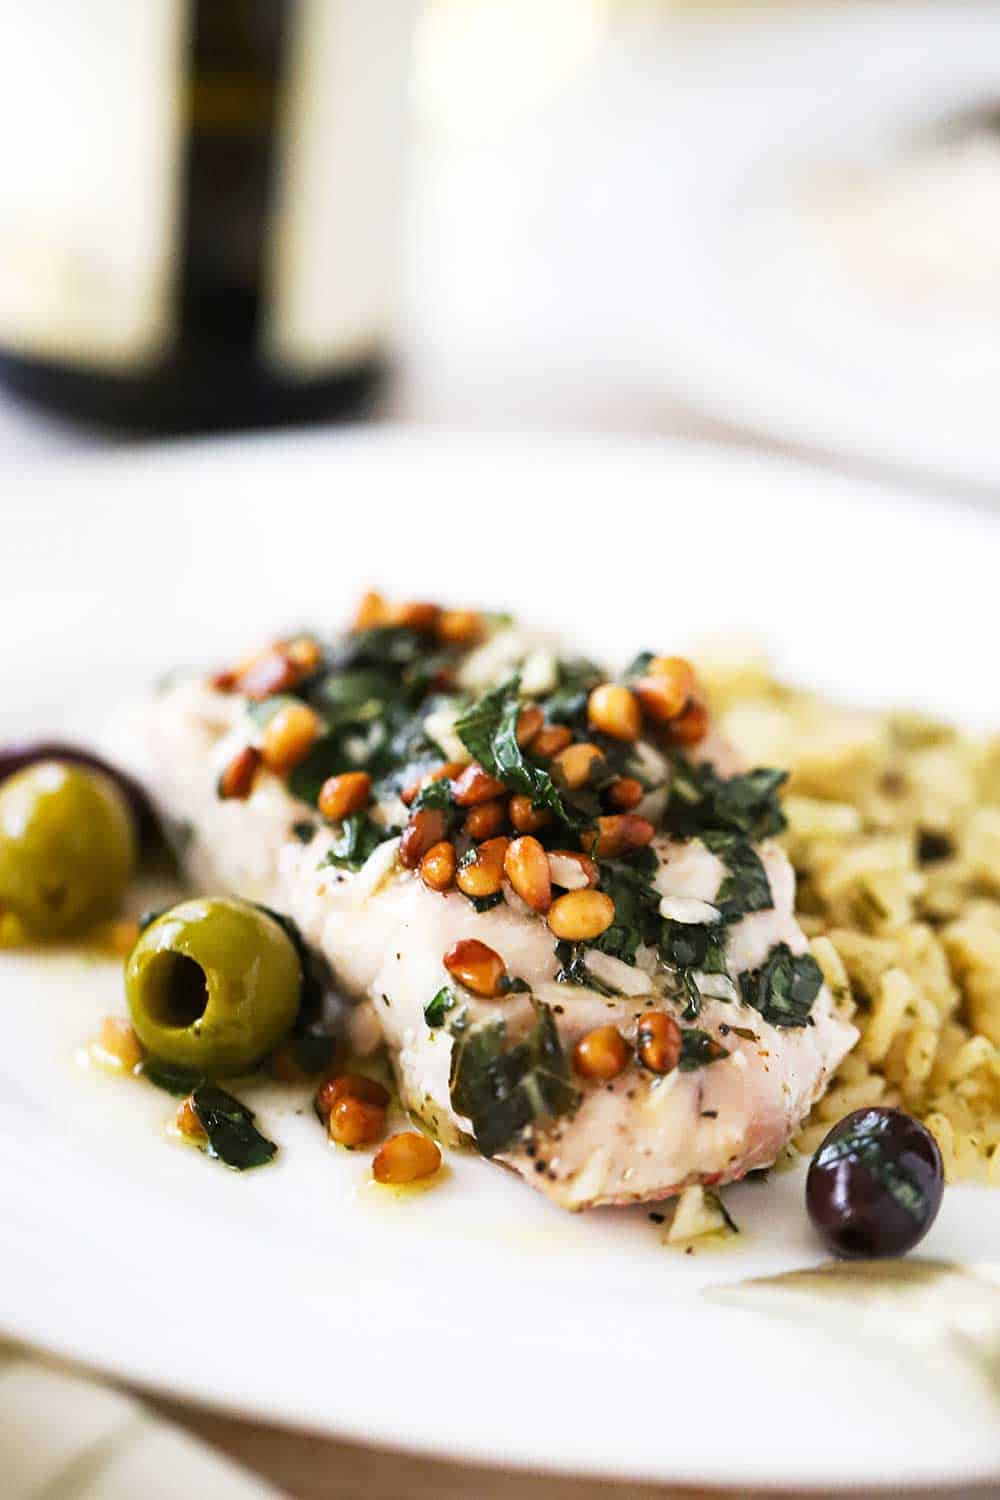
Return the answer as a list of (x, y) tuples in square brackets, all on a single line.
[(474, 1319), (762, 324)]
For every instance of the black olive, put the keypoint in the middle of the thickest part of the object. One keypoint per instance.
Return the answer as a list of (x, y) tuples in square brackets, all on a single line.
[(875, 1184)]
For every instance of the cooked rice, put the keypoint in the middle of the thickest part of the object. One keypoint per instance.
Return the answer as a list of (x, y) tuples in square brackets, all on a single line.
[(894, 832)]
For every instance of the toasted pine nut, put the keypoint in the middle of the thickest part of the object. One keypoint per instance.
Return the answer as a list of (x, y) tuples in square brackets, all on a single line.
[(447, 772), (572, 870), (459, 627), (437, 868), (550, 739), (406, 1158), (483, 874), (288, 737), (350, 1086), (238, 777), (476, 785), (692, 726), (602, 1053), (618, 834), (342, 795), (525, 817), (371, 611), (486, 820), (354, 1122), (666, 688), (658, 1039), (625, 793), (476, 966), (420, 617), (574, 766), (187, 1121), (529, 722), (614, 710), (119, 1044), (425, 828), (581, 915), (526, 866), (303, 652)]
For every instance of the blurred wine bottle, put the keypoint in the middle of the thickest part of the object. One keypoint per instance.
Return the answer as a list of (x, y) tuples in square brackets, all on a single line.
[(198, 206)]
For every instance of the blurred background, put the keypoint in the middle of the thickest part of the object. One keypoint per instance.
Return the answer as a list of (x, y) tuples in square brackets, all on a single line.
[(769, 223)]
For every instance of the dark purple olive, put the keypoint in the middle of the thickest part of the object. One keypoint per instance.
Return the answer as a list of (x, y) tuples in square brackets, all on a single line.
[(16, 757), (875, 1184)]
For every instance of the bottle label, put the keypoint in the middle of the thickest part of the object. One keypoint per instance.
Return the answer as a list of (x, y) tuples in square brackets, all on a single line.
[(90, 110), (109, 259), (334, 245)]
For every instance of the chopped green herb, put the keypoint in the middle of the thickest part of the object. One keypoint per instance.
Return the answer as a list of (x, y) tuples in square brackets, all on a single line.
[(358, 838), (487, 903), (692, 945), (232, 1136), (312, 1050), (509, 984), (503, 1088), (698, 1049), (784, 988), (746, 887), (436, 1010), (701, 800), (637, 905), (488, 730), (568, 703), (304, 832), (573, 969), (638, 666), (176, 1081), (434, 794)]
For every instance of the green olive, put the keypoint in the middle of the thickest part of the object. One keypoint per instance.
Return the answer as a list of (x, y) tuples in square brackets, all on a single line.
[(67, 847), (212, 985)]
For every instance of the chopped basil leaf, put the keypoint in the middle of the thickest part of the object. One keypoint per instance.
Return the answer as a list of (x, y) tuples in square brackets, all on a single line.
[(313, 1051), (746, 887), (638, 666), (176, 1081), (509, 984), (568, 703), (232, 1136), (488, 730), (487, 903), (315, 976), (437, 795), (784, 988), (358, 838), (573, 969), (698, 1050), (436, 1010), (691, 945), (701, 800), (304, 832), (503, 1088), (637, 905)]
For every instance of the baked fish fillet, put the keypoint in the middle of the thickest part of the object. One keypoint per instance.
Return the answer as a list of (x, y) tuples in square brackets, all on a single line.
[(704, 930)]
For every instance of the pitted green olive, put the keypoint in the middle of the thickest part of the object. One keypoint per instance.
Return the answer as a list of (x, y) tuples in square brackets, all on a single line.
[(67, 847), (212, 985)]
